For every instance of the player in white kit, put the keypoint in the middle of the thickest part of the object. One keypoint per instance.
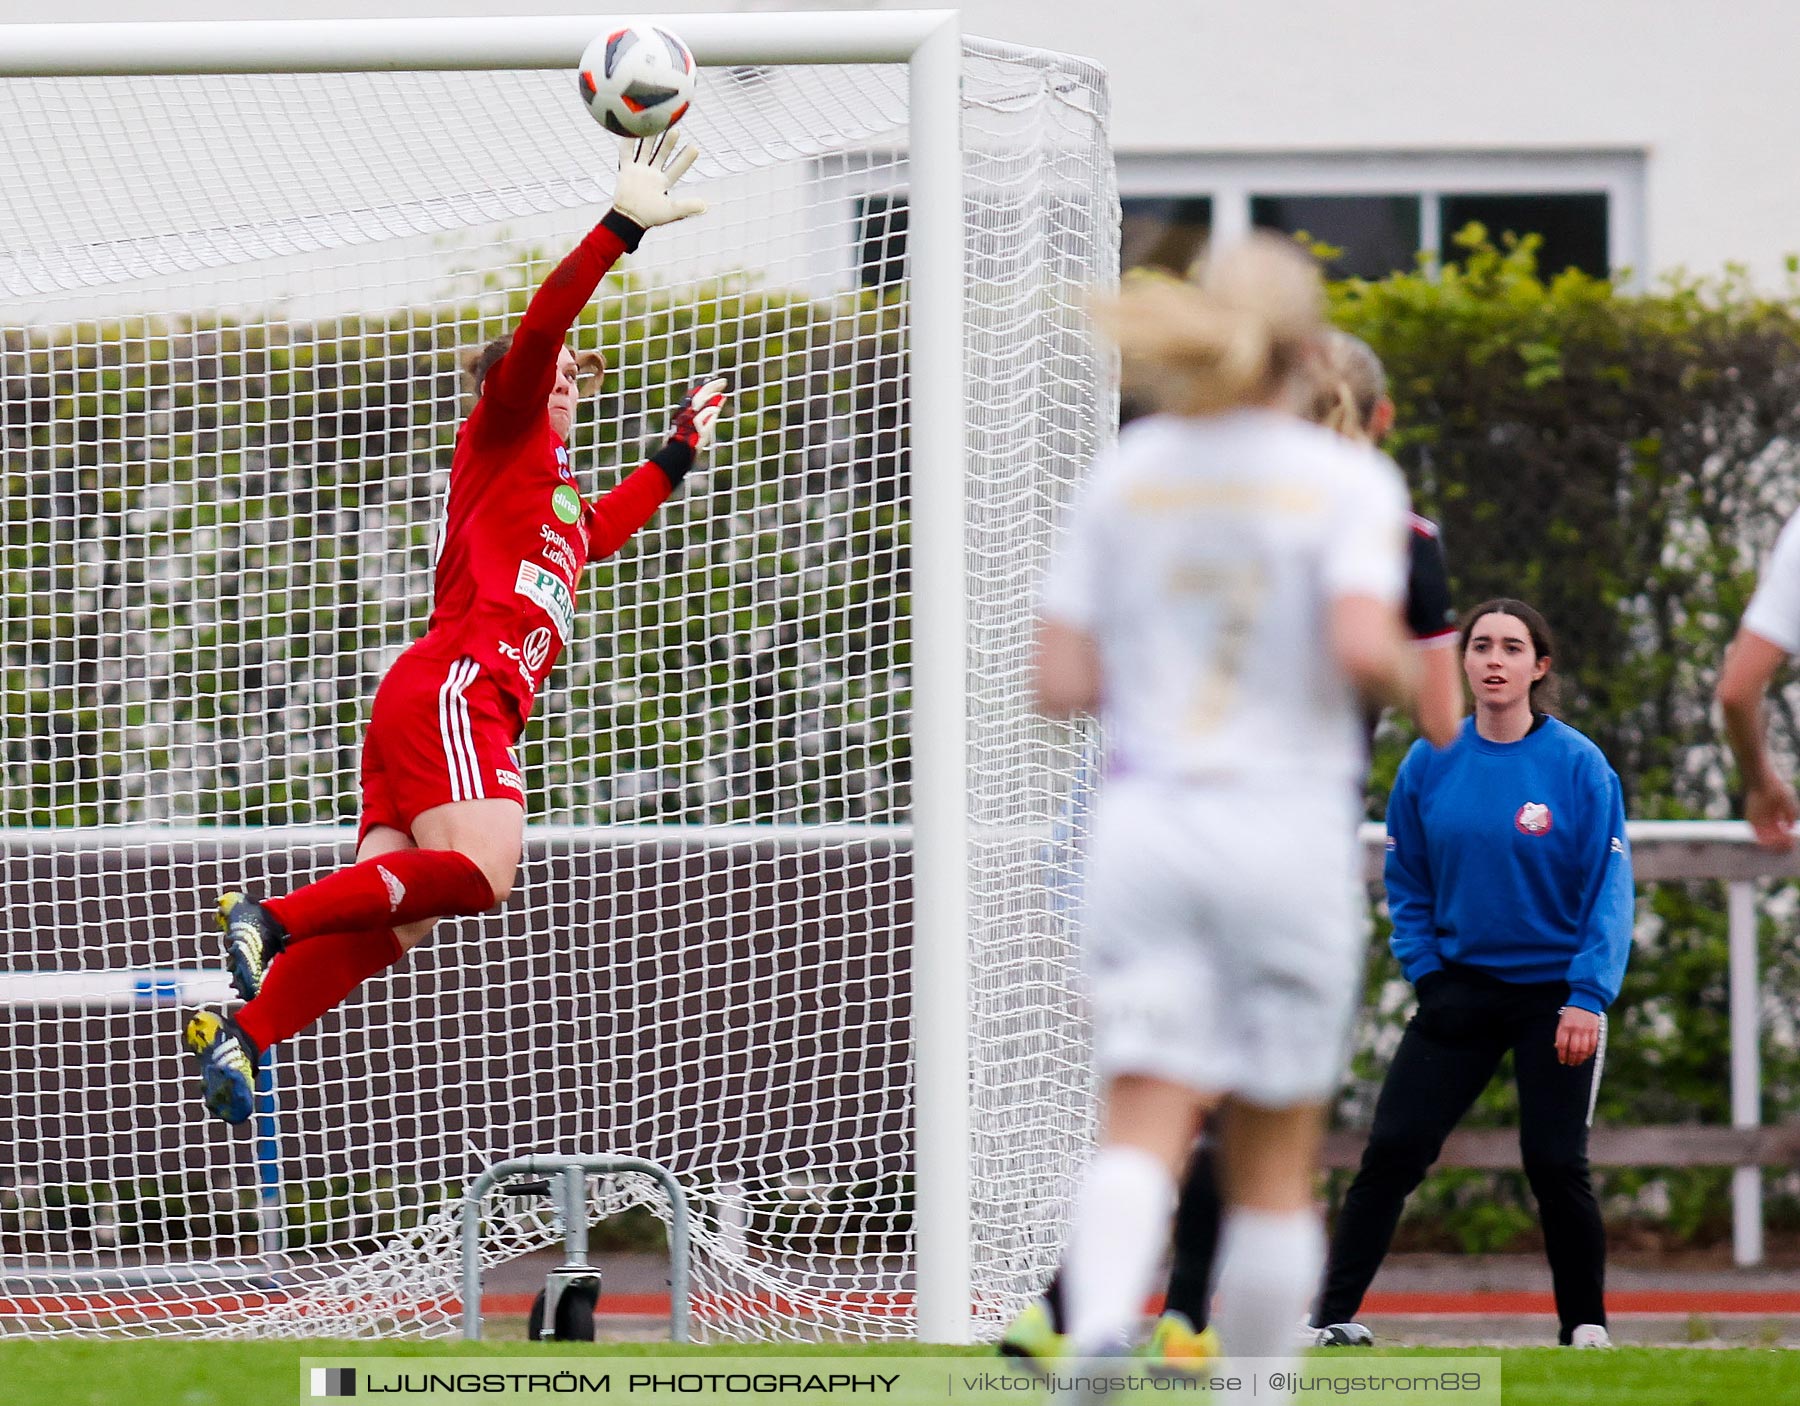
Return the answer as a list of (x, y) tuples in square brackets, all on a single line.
[(1767, 637), (1227, 598)]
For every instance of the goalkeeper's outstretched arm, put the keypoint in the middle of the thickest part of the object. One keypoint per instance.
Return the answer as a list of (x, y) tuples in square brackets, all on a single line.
[(522, 378)]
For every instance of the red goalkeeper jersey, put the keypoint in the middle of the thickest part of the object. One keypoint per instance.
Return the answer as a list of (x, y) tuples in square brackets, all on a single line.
[(518, 531)]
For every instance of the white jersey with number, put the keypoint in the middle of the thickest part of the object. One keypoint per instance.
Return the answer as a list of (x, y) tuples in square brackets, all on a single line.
[(1204, 557), (1221, 935), (1774, 611)]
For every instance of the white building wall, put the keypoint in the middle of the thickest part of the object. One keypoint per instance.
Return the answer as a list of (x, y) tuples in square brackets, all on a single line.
[(1703, 91)]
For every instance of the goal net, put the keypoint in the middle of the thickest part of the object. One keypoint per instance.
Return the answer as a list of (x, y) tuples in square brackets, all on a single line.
[(229, 388)]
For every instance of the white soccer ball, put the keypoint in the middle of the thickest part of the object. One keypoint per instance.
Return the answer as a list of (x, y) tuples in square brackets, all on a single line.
[(637, 81)]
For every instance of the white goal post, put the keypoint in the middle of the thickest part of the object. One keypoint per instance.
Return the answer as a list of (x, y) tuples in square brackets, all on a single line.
[(228, 235)]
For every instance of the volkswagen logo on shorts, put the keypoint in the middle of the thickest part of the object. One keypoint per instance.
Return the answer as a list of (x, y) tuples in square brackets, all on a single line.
[(537, 648)]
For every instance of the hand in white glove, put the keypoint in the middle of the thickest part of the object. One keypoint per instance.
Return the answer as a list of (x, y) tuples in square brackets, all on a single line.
[(647, 168)]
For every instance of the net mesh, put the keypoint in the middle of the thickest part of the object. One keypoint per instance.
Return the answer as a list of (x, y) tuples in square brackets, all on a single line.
[(231, 382)]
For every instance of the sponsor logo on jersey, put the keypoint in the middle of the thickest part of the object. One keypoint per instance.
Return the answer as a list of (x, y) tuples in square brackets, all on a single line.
[(1534, 818), (511, 651), (551, 593), (567, 503), (537, 648), (1391, 844), (1618, 845), (562, 457), (1159, 498), (557, 551)]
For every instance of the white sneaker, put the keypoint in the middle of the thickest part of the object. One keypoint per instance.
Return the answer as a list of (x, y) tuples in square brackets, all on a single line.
[(1589, 1335)]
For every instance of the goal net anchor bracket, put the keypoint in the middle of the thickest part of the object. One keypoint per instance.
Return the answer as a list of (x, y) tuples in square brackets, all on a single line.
[(564, 1308), (572, 1172)]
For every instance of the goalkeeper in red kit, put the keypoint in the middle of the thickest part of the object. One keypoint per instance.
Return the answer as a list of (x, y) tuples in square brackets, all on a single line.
[(443, 804)]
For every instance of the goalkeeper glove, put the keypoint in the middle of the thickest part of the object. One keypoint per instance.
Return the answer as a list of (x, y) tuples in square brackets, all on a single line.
[(642, 193), (696, 420)]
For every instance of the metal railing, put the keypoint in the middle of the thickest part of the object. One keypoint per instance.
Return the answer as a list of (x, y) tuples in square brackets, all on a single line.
[(1675, 850)]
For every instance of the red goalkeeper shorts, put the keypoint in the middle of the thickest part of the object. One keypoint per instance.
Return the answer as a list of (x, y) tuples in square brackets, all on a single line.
[(440, 732)]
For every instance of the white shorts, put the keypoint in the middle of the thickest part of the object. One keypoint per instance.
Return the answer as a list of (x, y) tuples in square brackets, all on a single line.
[(1224, 937)]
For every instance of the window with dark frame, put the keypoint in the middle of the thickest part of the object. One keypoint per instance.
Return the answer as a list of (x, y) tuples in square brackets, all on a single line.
[(1572, 225), (1163, 232), (1375, 234), (881, 240)]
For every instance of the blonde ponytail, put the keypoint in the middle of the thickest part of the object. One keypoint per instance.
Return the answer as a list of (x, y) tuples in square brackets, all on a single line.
[(1348, 383), (1338, 413), (1231, 337)]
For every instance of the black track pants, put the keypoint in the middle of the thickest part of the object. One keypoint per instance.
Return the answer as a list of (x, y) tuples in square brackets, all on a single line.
[(1465, 1023)]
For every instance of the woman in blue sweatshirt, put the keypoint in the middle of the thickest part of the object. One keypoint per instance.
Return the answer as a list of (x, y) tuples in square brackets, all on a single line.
[(1509, 884)]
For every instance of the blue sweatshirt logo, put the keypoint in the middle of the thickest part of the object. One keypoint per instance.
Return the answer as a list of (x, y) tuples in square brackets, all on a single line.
[(1534, 818)]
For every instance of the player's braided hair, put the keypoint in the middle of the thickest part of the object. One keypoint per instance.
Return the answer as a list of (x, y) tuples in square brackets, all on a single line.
[(589, 365), (1546, 693), (1231, 336)]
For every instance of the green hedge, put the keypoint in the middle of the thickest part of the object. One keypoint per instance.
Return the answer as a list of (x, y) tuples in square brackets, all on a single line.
[(1622, 460), (217, 534)]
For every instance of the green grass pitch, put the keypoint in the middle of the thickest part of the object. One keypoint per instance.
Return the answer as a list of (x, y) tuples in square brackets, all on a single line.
[(123, 1373)]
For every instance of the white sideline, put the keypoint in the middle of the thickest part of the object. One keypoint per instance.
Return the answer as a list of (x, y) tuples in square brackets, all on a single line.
[(115, 989)]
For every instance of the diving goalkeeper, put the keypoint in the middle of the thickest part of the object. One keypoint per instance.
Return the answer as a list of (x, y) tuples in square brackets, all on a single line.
[(443, 802)]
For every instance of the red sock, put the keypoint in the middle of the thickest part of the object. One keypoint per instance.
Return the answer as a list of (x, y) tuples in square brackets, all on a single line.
[(310, 978), (390, 890)]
